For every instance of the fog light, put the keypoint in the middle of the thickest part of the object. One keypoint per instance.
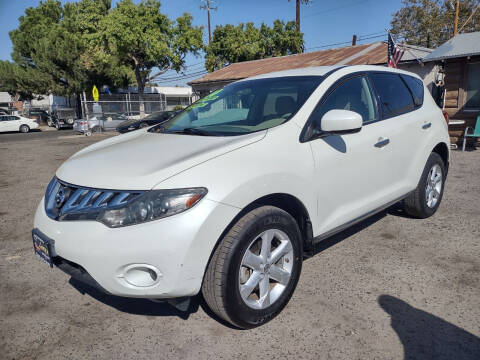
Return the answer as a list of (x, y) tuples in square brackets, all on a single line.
[(141, 275)]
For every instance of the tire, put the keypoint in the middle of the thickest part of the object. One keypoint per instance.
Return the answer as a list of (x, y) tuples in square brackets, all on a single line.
[(420, 205), (142, 125), (97, 129), (226, 272), (49, 123), (24, 129), (57, 126)]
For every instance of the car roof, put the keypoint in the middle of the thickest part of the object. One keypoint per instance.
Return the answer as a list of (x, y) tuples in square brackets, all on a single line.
[(324, 70)]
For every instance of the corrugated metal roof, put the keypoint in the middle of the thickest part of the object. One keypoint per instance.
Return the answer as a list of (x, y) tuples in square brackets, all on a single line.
[(366, 54), (459, 46), (412, 53)]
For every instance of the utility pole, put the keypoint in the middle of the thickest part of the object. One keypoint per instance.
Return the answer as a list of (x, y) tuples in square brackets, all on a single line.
[(354, 40), (455, 28), (208, 6), (298, 15)]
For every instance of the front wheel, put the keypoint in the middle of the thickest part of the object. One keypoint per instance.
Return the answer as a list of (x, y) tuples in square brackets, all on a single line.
[(24, 129), (57, 126), (426, 198), (255, 268)]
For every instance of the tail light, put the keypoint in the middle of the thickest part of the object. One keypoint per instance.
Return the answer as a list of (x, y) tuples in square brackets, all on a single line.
[(445, 115)]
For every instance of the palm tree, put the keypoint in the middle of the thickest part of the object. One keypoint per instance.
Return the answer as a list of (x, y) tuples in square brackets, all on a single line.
[(297, 19)]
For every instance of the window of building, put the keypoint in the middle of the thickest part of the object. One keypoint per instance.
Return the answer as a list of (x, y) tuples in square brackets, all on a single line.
[(472, 91)]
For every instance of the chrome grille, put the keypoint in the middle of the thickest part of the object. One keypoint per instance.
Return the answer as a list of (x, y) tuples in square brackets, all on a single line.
[(65, 201)]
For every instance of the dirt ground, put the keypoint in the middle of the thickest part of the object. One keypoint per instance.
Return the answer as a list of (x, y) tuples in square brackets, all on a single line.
[(389, 288)]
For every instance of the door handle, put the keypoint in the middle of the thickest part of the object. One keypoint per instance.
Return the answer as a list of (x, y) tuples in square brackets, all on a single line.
[(427, 125), (382, 142)]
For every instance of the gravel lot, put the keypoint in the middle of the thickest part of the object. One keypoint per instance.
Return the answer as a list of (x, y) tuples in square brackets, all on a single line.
[(389, 288)]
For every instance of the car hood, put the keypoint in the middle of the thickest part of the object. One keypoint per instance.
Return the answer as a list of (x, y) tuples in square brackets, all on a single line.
[(139, 160)]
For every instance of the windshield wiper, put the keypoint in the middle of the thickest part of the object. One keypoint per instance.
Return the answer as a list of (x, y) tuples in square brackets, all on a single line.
[(191, 131)]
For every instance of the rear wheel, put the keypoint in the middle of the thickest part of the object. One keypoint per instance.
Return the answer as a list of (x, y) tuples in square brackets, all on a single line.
[(24, 129), (143, 125), (57, 125), (426, 198), (255, 268)]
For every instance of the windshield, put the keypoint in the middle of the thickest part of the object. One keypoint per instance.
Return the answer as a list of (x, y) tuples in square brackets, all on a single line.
[(243, 107)]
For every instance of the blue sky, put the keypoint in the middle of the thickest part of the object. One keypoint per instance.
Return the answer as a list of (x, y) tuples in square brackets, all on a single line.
[(322, 22)]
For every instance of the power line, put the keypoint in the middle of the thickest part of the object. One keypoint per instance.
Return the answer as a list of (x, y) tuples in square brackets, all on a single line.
[(181, 77), (336, 8), (360, 38)]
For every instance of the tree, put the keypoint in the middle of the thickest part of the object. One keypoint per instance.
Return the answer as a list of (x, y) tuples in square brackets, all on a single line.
[(142, 38), (297, 12), (56, 49), (430, 23), (23, 81), (231, 44)]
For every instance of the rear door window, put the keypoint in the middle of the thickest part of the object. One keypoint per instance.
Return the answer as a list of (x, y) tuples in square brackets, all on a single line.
[(395, 98), (416, 87)]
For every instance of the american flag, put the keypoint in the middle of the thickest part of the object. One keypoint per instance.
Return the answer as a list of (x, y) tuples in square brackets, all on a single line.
[(395, 53)]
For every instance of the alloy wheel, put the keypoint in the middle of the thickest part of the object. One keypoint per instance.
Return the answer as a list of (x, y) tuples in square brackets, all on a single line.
[(433, 188), (266, 269)]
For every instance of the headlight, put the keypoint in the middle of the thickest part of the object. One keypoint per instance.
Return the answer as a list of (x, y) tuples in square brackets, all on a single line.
[(152, 205)]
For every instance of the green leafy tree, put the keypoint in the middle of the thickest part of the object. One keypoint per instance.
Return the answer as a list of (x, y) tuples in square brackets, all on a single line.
[(231, 44), (142, 39), (23, 81), (430, 23), (58, 49)]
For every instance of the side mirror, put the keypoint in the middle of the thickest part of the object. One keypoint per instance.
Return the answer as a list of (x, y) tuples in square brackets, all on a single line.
[(341, 122)]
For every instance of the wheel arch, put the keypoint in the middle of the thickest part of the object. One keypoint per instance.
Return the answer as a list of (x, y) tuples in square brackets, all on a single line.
[(288, 203), (442, 150)]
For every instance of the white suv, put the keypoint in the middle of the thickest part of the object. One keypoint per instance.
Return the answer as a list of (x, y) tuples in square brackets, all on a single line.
[(230, 195)]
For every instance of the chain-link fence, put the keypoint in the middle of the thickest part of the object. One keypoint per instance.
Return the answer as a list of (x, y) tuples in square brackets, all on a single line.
[(123, 105)]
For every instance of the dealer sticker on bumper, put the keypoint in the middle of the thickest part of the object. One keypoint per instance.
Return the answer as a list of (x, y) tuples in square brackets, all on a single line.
[(42, 247)]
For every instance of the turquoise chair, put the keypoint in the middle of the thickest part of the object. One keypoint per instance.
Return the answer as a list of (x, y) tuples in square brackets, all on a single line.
[(475, 134)]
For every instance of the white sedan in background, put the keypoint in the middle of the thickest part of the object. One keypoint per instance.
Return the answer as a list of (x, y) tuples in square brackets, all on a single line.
[(16, 123)]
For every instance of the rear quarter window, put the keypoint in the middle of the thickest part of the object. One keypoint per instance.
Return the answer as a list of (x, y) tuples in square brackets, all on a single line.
[(395, 98), (416, 87)]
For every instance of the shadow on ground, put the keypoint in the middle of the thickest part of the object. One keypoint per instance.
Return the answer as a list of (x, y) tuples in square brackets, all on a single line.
[(350, 231), (137, 306), (147, 307), (425, 336)]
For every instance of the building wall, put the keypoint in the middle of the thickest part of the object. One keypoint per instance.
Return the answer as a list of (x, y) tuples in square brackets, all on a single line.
[(455, 83)]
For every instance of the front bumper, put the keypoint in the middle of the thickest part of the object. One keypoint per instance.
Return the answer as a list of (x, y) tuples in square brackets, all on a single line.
[(175, 249)]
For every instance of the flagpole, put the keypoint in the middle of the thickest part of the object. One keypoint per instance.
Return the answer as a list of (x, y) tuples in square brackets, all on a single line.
[(405, 47)]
